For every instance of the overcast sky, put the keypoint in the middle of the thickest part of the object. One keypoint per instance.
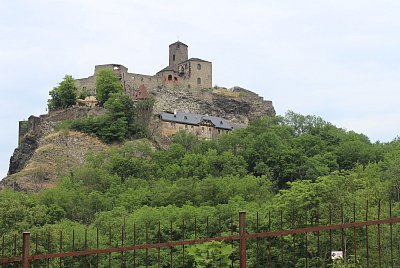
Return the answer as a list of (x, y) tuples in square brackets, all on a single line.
[(338, 59)]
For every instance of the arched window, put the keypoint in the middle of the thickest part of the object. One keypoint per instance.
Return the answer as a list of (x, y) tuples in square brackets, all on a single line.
[(199, 81), (169, 77), (173, 57), (198, 66)]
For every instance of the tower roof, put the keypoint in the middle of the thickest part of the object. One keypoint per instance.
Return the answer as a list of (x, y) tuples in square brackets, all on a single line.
[(178, 43)]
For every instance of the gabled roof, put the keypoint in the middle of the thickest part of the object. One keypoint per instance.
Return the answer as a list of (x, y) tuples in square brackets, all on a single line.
[(195, 119)]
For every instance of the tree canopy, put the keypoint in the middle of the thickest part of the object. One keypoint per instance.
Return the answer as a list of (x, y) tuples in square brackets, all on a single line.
[(106, 84), (64, 95), (294, 165)]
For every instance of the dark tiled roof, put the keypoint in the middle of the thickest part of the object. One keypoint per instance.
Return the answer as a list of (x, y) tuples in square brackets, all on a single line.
[(195, 59), (195, 119)]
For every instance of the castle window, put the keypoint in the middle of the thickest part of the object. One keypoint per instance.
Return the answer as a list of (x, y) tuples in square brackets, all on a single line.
[(169, 77), (219, 131), (186, 126), (209, 129), (173, 57), (199, 81), (198, 66)]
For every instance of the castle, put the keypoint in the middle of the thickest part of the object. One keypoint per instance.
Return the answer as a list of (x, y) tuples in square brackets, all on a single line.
[(182, 72), (184, 99)]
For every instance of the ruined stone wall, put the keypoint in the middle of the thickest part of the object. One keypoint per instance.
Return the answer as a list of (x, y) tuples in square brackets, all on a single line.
[(133, 81), (87, 84)]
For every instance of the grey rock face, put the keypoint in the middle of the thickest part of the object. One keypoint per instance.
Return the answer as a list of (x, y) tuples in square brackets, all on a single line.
[(22, 154)]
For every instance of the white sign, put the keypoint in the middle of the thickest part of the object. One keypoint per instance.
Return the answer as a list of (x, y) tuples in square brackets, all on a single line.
[(337, 255)]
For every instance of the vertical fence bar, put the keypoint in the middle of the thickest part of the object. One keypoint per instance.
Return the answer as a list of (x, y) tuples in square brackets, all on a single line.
[(242, 235), (293, 215), (219, 234), (306, 237), (122, 242), (73, 247), (170, 248), (391, 234), (159, 241), (183, 246), (110, 243), (134, 243), (366, 236), (15, 247), (257, 240), (36, 248), (25, 249), (281, 237), (232, 262), (2, 248), (269, 239), (97, 247), (379, 235), (343, 245), (330, 233), (48, 247), (61, 246), (85, 256), (318, 242), (147, 241), (354, 234)]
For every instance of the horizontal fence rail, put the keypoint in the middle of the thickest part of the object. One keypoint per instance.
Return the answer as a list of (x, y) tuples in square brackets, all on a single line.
[(310, 246)]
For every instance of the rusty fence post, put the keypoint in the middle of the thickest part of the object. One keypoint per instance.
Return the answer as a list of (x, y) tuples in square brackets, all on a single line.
[(242, 234), (25, 249)]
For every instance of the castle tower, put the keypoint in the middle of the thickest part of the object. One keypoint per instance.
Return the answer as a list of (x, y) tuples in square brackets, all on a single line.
[(178, 52)]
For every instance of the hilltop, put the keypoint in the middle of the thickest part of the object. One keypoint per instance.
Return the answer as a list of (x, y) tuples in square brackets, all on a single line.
[(182, 88)]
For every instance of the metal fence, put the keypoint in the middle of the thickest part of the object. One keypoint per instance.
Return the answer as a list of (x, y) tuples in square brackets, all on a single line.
[(369, 243)]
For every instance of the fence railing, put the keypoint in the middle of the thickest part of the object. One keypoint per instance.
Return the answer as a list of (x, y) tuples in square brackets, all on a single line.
[(371, 243)]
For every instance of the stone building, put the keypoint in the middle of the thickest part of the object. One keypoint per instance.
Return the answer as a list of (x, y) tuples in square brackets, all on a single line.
[(181, 72), (204, 126)]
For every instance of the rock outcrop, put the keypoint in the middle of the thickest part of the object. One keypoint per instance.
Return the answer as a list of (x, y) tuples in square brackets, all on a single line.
[(57, 154), (237, 105)]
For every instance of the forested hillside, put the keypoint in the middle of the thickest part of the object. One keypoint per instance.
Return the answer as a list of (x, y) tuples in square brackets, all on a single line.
[(296, 164)]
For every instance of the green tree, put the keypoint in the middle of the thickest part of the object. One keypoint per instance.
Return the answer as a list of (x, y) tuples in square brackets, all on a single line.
[(106, 83), (64, 95)]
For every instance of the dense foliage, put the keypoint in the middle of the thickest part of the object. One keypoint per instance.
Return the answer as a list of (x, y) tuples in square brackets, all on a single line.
[(106, 84), (64, 95), (117, 124), (300, 165)]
